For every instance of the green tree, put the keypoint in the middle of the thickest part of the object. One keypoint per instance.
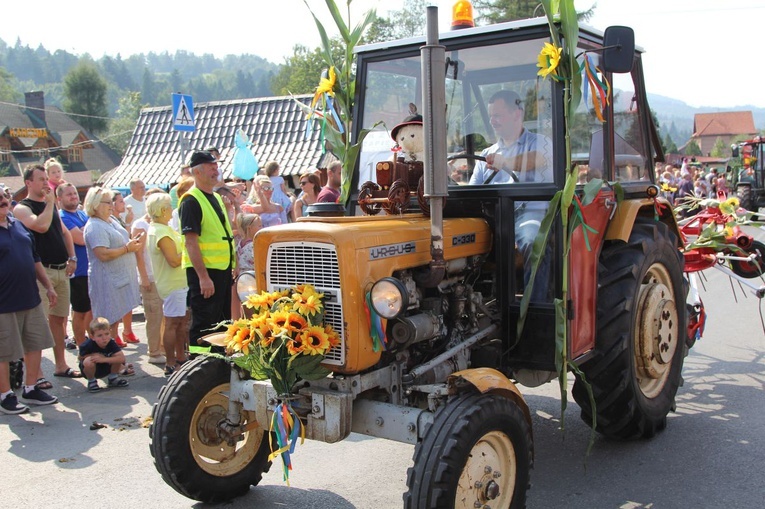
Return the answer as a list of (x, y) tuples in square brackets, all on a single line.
[(407, 22), (301, 72), (85, 95), (122, 126), (670, 147), (8, 92), (692, 149), (720, 148)]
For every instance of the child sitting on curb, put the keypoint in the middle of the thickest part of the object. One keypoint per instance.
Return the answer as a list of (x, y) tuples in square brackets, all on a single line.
[(101, 357)]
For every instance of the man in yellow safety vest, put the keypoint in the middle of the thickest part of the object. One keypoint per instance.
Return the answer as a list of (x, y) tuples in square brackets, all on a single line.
[(208, 248)]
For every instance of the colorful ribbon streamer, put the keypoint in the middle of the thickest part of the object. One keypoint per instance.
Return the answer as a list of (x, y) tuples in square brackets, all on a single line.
[(599, 88), (376, 329), (286, 426)]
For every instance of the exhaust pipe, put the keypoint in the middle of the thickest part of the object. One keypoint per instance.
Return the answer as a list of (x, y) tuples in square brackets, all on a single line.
[(433, 58)]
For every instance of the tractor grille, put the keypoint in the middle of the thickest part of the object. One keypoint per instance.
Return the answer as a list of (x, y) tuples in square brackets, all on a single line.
[(293, 263)]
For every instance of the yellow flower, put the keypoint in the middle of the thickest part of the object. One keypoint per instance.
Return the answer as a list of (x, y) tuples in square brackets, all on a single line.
[(730, 206), (548, 60), (326, 86), (667, 188), (288, 321), (295, 346), (315, 340), (332, 336), (307, 306)]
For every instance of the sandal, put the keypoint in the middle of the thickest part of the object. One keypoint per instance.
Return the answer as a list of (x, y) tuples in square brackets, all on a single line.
[(169, 370), (127, 371), (43, 384), (118, 382), (93, 386), (69, 373)]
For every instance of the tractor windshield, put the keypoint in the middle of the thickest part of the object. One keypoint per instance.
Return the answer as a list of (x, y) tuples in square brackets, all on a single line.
[(475, 78)]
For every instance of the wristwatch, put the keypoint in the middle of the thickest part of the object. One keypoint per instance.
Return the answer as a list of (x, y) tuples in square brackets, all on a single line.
[(72, 259)]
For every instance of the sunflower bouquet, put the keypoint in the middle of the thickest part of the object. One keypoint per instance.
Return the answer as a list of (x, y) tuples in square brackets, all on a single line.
[(285, 340)]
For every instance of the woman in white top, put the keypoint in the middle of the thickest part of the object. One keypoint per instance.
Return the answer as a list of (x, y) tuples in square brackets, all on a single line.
[(165, 247)]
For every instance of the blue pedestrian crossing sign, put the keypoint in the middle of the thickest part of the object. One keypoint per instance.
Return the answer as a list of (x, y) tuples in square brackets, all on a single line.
[(183, 113)]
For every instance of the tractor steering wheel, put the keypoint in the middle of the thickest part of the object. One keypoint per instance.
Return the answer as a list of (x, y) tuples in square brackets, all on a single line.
[(476, 157)]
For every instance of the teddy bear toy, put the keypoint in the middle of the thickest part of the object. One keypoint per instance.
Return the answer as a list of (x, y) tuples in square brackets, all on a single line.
[(396, 178)]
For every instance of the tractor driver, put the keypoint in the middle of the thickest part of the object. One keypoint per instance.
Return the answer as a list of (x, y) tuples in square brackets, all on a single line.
[(519, 156)]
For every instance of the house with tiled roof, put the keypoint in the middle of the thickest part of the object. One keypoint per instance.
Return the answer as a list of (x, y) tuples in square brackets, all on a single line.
[(708, 127), (276, 127), (33, 132)]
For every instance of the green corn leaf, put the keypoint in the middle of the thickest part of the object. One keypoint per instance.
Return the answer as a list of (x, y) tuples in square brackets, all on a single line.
[(341, 26), (591, 190), (359, 30), (326, 47), (594, 412), (537, 251), (568, 191), (561, 356), (618, 192)]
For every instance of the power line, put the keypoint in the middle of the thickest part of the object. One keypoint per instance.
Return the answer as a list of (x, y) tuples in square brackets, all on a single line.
[(60, 112), (64, 147)]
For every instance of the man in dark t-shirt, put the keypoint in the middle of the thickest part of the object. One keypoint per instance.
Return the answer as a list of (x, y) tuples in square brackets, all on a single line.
[(54, 245), (23, 331)]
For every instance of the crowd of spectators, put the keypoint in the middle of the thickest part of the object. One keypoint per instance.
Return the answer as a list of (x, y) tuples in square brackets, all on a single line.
[(175, 253)]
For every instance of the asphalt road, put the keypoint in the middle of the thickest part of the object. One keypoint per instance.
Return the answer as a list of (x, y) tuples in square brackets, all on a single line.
[(712, 453)]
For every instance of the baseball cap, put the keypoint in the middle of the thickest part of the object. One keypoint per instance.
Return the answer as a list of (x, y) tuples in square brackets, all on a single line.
[(200, 157)]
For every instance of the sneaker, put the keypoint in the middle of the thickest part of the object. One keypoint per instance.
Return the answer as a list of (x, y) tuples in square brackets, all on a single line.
[(119, 342), (130, 337), (10, 405), (157, 359), (70, 344), (38, 397)]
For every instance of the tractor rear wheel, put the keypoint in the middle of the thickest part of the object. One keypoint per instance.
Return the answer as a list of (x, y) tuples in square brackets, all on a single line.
[(477, 453), (640, 343), (744, 194), (190, 448)]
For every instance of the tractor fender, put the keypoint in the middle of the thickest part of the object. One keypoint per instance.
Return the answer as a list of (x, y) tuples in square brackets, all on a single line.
[(488, 380), (627, 211)]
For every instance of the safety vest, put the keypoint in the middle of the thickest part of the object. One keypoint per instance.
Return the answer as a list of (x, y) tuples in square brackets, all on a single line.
[(215, 241)]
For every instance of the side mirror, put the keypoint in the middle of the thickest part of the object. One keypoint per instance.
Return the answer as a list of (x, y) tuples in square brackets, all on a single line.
[(734, 150), (619, 49)]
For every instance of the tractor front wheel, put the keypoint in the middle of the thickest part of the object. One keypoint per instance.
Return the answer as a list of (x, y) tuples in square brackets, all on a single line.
[(477, 453), (194, 453), (640, 343)]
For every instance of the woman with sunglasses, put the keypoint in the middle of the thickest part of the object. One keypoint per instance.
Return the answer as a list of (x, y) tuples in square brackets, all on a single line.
[(311, 186)]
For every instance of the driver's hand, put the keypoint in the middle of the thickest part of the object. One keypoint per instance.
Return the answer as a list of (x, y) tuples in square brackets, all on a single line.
[(495, 161)]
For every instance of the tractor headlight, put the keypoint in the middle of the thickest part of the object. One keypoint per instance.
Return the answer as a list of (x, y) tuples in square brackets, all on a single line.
[(389, 297), (245, 285)]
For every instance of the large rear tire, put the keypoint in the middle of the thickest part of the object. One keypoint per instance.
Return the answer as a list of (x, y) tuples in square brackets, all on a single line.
[(477, 453), (744, 194), (185, 442), (639, 349)]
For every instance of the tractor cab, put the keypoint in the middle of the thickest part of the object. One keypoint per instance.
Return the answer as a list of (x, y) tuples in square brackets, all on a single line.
[(496, 102), (750, 185)]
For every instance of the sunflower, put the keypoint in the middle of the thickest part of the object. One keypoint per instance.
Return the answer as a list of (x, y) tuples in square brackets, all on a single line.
[(308, 306), (548, 60), (730, 206), (288, 321), (296, 346), (332, 336), (315, 340)]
